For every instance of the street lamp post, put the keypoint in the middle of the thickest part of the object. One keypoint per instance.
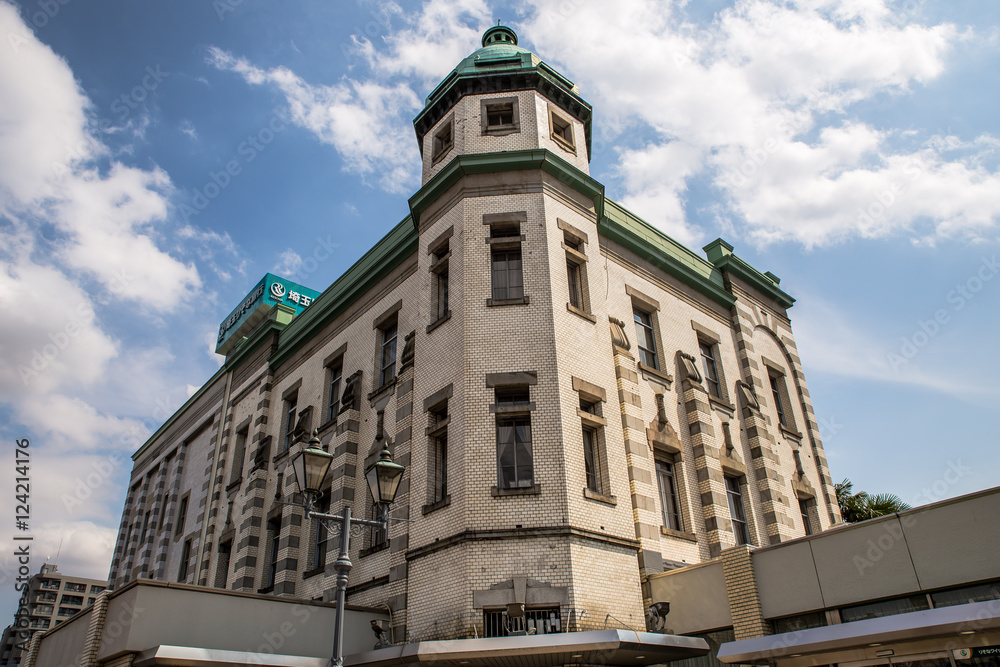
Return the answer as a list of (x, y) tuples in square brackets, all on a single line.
[(311, 467)]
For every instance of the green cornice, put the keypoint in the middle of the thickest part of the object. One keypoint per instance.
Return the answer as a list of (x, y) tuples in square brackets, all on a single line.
[(649, 243), (386, 255), (483, 163), (766, 284)]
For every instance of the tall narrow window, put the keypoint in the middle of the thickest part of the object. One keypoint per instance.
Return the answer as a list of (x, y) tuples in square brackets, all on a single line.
[(515, 465), (508, 282), (645, 338), (440, 251), (290, 404), (592, 459), (575, 286), (182, 572), (334, 375), (779, 392), (222, 565), (805, 505), (439, 458), (387, 363), (441, 284), (274, 532), (736, 511), (182, 510), (322, 537), (379, 536), (239, 454), (711, 368), (668, 494), (142, 535)]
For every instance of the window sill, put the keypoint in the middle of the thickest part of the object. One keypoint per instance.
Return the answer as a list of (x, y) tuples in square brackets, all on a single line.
[(515, 408), (787, 432), (280, 456), (312, 573), (438, 429), (600, 497), (373, 550), (659, 376), (679, 534), (438, 322), (266, 590), (327, 426), (576, 311), (444, 502), (435, 159), (234, 485), (565, 145), (590, 418), (507, 302), (721, 403), (501, 242), (501, 130), (384, 389), (535, 490)]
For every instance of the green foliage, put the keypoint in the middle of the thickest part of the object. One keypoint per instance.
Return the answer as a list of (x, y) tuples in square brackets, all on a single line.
[(862, 506)]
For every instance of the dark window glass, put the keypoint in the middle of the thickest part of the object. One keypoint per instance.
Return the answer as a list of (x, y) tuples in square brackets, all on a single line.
[(442, 294), (142, 534), (182, 515), (573, 276), (735, 494), (333, 392), (239, 454), (387, 367), (379, 536), (222, 568), (668, 494), (498, 115), (442, 141), (711, 369), (805, 504), (72, 599), (903, 605), (646, 340), (290, 406), (274, 528), (592, 460), (967, 595), (542, 621), (778, 402), (322, 536), (514, 459), (507, 277), (440, 467), (801, 622), (182, 572)]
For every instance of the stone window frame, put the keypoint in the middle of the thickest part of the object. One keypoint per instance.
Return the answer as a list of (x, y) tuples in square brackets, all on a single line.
[(651, 307), (440, 251), (440, 150), (184, 567), (289, 404), (499, 130), (322, 505), (574, 244), (706, 336), (436, 429), (558, 121), (381, 324), (222, 575), (588, 392), (331, 409), (272, 532), (512, 382), (776, 371), (506, 222), (810, 511)]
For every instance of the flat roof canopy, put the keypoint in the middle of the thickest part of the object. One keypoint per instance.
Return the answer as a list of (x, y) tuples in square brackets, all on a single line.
[(605, 647), (917, 625)]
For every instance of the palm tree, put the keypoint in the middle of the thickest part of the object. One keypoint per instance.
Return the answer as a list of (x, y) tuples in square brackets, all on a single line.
[(862, 506)]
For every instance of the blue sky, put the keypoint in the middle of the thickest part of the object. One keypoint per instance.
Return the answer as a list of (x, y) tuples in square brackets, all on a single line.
[(850, 147)]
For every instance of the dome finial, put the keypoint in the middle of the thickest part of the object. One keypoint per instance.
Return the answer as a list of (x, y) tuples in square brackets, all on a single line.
[(499, 34)]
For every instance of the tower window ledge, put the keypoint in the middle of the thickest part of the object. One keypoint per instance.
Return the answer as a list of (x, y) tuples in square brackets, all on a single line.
[(679, 534), (507, 302), (581, 313), (535, 490), (600, 497)]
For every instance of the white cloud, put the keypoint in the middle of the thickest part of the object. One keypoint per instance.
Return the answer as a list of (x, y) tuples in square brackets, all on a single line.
[(365, 121), (289, 263), (760, 102)]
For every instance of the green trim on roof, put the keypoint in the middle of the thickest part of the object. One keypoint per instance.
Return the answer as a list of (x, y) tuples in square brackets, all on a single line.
[(484, 163), (634, 233), (374, 265), (766, 286)]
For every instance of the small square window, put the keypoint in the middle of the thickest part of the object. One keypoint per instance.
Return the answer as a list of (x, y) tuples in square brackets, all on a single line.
[(500, 116)]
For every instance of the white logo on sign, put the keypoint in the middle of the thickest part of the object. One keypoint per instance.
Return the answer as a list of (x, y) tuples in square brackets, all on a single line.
[(962, 653), (277, 290)]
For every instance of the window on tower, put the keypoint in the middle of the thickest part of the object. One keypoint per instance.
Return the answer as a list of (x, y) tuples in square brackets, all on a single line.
[(500, 116)]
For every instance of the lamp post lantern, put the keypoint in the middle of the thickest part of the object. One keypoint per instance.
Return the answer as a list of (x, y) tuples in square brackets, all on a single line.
[(311, 466)]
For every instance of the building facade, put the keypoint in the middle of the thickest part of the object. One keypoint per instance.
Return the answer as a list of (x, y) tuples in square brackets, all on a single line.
[(580, 401), (47, 599)]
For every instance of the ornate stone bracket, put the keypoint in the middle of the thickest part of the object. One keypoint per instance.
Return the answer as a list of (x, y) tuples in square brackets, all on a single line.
[(408, 344), (351, 399), (747, 394), (687, 367), (618, 337)]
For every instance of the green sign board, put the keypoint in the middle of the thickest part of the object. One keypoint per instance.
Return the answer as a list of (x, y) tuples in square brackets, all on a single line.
[(978, 652), (270, 291)]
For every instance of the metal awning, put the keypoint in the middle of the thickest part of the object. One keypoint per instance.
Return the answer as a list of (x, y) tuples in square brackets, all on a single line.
[(605, 647), (916, 625)]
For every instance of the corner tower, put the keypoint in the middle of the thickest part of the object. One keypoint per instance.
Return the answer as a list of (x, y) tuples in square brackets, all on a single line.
[(503, 98)]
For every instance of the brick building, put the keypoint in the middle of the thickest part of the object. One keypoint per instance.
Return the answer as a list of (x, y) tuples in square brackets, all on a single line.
[(580, 401)]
